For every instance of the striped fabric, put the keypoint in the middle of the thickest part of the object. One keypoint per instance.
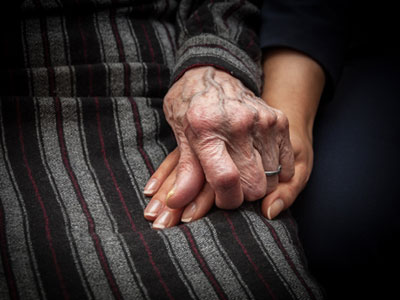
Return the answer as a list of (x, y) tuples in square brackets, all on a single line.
[(82, 130)]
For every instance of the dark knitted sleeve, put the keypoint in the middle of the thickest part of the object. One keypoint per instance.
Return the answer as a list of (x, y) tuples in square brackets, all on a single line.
[(315, 27), (222, 34)]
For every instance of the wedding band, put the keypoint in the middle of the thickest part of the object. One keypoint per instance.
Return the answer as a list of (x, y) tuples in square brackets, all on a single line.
[(272, 173)]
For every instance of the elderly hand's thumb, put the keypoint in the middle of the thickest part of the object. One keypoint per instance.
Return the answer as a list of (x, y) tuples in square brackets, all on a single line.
[(189, 180)]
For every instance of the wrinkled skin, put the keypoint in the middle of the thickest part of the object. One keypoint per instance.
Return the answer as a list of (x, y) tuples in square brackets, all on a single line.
[(164, 217), (229, 135), (226, 137)]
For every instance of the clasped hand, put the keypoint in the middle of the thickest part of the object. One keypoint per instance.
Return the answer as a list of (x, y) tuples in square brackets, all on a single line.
[(227, 137)]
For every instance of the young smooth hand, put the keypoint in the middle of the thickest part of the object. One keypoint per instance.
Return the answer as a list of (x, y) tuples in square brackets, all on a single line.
[(272, 204), (158, 212), (293, 83)]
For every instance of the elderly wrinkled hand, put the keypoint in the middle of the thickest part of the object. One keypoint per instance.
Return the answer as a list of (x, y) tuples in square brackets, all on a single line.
[(227, 134)]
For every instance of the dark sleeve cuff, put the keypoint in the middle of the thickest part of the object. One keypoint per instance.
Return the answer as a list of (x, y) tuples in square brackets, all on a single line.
[(211, 50)]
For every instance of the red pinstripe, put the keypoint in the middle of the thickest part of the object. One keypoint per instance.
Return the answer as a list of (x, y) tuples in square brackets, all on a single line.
[(153, 57), (139, 136), (203, 265), (47, 59), (121, 52), (251, 42), (123, 202), (41, 203), (288, 259), (172, 43), (246, 253), (85, 55), (5, 258), (82, 201), (196, 15)]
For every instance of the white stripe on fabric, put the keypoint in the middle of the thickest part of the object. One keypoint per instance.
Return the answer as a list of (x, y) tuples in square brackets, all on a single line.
[(78, 221), (269, 244), (107, 37), (17, 248), (25, 251), (216, 262), (266, 249), (117, 249), (227, 258), (165, 43), (190, 266), (53, 166), (128, 41)]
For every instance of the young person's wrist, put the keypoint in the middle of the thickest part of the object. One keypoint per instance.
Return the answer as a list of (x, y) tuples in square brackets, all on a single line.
[(293, 83)]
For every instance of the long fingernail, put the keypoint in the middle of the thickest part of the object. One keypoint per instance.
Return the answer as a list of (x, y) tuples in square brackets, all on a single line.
[(163, 220), (150, 187), (153, 208), (275, 208), (189, 212)]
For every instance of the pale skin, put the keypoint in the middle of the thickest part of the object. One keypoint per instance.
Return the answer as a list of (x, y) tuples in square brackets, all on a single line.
[(227, 137)]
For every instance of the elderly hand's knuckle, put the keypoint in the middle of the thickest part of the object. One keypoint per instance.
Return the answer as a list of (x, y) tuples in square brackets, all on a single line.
[(227, 180), (282, 122), (242, 122), (268, 119)]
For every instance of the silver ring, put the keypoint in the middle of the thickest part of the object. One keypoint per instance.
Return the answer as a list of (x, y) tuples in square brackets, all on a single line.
[(272, 173)]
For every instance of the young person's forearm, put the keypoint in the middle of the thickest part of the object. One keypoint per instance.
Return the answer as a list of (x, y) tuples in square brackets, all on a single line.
[(293, 83)]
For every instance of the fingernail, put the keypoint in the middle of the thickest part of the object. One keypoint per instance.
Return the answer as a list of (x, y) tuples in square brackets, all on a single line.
[(275, 208), (153, 208), (150, 187), (189, 212), (163, 220)]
